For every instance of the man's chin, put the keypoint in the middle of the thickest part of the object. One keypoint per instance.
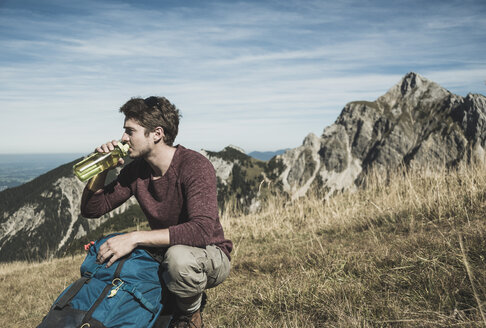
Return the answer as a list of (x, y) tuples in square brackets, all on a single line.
[(132, 155)]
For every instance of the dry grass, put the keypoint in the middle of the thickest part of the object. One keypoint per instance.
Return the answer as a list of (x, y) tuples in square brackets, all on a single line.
[(387, 255), (29, 289), (406, 251)]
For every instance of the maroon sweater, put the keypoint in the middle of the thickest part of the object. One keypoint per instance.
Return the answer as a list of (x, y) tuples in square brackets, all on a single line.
[(184, 199)]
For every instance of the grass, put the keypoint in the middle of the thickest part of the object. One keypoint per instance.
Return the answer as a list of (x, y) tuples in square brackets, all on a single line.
[(407, 250), (28, 288)]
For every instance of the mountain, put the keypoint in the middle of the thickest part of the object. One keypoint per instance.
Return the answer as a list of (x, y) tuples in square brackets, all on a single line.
[(415, 123), (239, 176), (40, 218)]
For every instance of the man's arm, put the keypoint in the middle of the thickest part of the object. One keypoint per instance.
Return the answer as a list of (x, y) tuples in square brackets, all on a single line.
[(121, 245), (97, 182)]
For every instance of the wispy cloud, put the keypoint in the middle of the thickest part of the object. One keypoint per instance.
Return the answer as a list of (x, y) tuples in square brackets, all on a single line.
[(258, 74)]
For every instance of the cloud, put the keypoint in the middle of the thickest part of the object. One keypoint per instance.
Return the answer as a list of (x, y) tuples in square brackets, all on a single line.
[(228, 65)]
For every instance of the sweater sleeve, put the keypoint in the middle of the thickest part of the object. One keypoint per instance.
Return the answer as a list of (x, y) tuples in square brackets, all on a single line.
[(202, 227), (95, 204)]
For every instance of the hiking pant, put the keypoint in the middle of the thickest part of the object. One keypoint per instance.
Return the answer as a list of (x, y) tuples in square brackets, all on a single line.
[(187, 271)]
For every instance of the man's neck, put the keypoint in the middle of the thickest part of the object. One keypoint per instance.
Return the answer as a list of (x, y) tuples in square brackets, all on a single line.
[(160, 158)]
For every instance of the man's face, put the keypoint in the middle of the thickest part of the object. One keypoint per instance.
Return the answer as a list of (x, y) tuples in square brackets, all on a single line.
[(140, 144)]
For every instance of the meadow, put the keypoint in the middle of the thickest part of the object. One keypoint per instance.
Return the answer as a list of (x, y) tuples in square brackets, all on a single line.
[(405, 250)]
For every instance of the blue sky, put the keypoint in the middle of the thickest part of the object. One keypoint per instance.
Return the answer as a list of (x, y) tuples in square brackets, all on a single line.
[(257, 74)]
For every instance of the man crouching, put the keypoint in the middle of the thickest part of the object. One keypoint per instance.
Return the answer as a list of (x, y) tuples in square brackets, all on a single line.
[(176, 189)]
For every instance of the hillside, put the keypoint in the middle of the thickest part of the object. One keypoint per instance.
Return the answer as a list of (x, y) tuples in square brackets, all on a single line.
[(41, 219), (406, 250)]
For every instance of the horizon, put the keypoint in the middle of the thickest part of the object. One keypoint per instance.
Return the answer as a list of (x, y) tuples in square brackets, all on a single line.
[(83, 154), (3, 155), (260, 75)]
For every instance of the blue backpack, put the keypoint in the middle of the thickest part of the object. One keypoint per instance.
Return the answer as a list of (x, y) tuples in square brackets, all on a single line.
[(127, 294)]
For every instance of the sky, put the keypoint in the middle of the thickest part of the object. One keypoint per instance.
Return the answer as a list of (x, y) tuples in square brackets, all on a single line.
[(260, 75)]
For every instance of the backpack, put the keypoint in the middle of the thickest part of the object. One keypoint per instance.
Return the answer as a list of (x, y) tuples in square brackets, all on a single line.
[(127, 294)]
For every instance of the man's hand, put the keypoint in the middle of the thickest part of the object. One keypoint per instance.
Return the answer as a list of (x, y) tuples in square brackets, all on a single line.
[(121, 245), (115, 248), (98, 181), (109, 146)]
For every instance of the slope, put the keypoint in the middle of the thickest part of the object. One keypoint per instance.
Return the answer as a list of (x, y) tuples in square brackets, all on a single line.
[(409, 252)]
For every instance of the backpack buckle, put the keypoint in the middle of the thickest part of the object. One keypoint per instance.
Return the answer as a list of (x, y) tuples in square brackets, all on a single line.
[(117, 283)]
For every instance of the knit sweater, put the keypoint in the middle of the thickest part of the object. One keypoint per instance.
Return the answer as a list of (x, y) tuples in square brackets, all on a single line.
[(184, 199)]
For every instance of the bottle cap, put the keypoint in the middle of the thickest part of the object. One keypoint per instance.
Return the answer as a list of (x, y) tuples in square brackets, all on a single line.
[(124, 148)]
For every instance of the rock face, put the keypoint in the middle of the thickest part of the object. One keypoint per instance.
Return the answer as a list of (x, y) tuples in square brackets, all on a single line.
[(416, 122)]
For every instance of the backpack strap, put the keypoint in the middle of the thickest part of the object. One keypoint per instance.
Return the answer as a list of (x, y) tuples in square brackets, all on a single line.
[(87, 318), (139, 296), (72, 291)]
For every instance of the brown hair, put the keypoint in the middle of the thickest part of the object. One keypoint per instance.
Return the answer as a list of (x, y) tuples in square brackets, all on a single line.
[(153, 112)]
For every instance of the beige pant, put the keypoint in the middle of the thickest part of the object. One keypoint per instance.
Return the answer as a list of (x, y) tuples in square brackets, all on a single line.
[(188, 271)]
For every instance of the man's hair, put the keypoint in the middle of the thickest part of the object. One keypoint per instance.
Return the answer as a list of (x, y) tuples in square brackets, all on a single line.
[(153, 112)]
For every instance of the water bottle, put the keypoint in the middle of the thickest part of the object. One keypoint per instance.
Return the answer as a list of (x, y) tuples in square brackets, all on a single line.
[(99, 162)]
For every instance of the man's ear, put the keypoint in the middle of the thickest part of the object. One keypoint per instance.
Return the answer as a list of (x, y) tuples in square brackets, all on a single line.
[(158, 134)]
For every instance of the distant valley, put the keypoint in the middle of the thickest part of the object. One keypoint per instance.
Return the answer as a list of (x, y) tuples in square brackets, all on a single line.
[(17, 169), (266, 155)]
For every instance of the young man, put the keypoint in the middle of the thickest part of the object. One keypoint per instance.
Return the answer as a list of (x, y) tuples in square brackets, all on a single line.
[(176, 189)]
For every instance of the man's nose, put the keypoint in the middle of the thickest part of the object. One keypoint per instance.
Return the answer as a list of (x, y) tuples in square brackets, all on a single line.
[(125, 138)]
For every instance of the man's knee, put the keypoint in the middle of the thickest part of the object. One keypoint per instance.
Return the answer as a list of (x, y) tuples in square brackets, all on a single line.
[(183, 272), (181, 259), (187, 271)]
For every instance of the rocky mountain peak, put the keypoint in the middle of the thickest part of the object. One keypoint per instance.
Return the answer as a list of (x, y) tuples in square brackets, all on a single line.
[(412, 88), (311, 140), (241, 150), (416, 122), (411, 81)]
